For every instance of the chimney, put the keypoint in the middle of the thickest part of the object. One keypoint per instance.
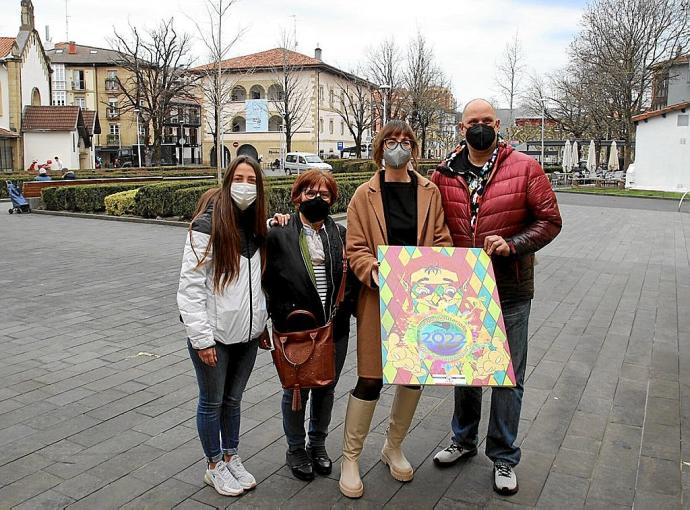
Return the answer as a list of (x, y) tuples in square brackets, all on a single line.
[(27, 16), (72, 48), (317, 52), (48, 44)]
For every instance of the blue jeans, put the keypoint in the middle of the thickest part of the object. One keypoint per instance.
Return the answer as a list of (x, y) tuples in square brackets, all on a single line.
[(220, 396), (321, 406), (506, 403)]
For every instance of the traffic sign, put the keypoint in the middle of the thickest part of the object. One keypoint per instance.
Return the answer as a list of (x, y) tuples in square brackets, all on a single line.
[(340, 146), (235, 144)]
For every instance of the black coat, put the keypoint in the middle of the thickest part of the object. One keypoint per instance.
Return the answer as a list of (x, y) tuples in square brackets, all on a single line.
[(288, 284)]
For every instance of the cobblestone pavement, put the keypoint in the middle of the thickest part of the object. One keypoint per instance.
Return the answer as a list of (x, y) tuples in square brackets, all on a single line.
[(97, 394)]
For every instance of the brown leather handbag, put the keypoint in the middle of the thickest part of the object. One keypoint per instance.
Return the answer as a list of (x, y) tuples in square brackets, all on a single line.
[(306, 359)]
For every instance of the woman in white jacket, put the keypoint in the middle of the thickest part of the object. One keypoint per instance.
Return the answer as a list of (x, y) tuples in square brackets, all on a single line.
[(223, 309)]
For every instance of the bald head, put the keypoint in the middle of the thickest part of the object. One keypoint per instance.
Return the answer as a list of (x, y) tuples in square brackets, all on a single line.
[(479, 107)]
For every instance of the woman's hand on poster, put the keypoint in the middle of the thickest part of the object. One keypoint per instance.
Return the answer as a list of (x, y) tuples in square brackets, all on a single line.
[(496, 245), (208, 356), (375, 275), (280, 220)]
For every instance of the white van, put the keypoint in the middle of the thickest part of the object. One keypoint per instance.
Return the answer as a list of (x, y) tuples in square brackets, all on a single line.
[(297, 162)]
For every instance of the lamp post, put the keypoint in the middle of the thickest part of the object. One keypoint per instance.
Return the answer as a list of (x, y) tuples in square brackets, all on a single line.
[(136, 111), (384, 89)]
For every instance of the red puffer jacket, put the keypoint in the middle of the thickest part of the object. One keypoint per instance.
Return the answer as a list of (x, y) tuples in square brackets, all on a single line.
[(518, 204)]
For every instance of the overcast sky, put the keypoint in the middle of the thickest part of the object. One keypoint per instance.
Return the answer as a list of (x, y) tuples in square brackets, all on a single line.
[(467, 36)]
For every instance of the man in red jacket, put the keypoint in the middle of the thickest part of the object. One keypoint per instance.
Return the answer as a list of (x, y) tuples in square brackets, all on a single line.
[(499, 199)]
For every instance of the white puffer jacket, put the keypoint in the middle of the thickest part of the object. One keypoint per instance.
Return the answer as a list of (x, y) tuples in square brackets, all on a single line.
[(236, 315)]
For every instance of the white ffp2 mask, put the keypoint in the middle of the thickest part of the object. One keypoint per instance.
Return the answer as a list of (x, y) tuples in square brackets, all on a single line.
[(243, 194)]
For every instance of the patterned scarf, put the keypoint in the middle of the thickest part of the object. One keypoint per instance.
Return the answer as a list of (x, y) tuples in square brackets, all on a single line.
[(476, 181)]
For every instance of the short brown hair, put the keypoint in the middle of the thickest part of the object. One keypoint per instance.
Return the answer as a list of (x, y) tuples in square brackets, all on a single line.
[(313, 179), (393, 129)]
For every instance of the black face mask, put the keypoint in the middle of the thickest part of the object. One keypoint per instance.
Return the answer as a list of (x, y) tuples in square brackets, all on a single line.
[(480, 137), (315, 210)]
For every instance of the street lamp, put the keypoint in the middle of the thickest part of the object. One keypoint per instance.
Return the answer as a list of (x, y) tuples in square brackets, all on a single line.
[(136, 111), (384, 89)]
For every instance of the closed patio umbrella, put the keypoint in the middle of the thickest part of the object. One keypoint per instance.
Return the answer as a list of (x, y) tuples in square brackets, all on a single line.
[(592, 157), (567, 154), (613, 158), (575, 158)]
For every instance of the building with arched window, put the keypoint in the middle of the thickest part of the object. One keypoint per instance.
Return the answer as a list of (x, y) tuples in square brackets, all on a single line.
[(24, 81), (269, 83)]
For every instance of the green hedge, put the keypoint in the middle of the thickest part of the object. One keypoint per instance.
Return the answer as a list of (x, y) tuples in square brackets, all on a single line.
[(185, 200), (155, 200), (89, 198), (119, 204)]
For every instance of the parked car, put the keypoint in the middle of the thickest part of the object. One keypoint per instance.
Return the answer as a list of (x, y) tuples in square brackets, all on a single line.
[(296, 162)]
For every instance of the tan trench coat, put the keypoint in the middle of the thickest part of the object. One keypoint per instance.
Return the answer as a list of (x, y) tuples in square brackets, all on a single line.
[(366, 230)]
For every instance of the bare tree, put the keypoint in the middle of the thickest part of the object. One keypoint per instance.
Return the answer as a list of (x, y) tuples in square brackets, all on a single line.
[(157, 64), (510, 72), (354, 107), (384, 68), (216, 86), (294, 96), (426, 88), (623, 43)]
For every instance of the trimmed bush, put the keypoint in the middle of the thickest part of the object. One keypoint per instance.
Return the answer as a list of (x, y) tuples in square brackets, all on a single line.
[(89, 198), (119, 204), (185, 200), (155, 200)]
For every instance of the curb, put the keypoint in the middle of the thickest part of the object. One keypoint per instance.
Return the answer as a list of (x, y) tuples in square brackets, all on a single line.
[(127, 219), (571, 192)]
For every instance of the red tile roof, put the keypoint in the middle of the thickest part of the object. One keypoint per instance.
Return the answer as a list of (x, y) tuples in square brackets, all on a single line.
[(270, 58), (7, 134), (50, 118), (656, 113), (6, 45), (91, 122)]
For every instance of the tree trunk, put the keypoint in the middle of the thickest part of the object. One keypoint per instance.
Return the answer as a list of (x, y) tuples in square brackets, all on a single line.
[(358, 144)]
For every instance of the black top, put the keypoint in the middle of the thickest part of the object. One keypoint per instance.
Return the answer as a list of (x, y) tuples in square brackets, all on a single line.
[(400, 209), (466, 166)]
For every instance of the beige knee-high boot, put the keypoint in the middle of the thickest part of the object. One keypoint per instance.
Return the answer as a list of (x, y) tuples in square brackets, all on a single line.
[(357, 422), (402, 412)]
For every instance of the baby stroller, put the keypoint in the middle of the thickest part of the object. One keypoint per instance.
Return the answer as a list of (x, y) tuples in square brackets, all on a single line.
[(19, 203)]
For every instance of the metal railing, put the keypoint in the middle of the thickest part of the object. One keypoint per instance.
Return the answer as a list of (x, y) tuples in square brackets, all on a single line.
[(79, 85), (112, 139)]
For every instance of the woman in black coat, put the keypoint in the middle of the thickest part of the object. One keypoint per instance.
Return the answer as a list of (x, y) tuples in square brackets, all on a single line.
[(304, 271)]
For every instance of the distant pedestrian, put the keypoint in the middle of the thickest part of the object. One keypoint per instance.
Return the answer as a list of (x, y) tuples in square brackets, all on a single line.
[(223, 308), (498, 199), (42, 175), (57, 164), (69, 175)]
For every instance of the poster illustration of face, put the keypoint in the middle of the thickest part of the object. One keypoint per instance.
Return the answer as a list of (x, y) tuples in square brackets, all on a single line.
[(441, 321)]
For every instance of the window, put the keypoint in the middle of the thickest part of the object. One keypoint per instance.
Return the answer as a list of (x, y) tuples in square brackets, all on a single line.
[(80, 101), (74, 143), (330, 126), (331, 97), (238, 94), (111, 80), (142, 129), (302, 161), (113, 110), (275, 123), (320, 125), (114, 129), (78, 82), (239, 125), (275, 93), (291, 159), (683, 120), (257, 92), (342, 127), (59, 77), (321, 93), (59, 98)]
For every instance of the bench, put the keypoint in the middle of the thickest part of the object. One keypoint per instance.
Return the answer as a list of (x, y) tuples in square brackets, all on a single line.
[(32, 189)]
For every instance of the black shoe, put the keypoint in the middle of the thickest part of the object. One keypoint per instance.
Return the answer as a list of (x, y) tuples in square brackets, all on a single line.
[(320, 459), (300, 464)]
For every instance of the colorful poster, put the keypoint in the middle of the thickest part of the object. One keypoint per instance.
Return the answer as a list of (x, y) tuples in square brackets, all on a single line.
[(441, 320), (256, 111)]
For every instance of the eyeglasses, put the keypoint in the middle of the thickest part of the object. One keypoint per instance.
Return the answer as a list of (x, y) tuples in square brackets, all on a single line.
[(391, 143), (311, 194)]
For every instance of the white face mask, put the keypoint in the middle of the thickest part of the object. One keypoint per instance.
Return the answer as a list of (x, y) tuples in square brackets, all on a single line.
[(243, 194)]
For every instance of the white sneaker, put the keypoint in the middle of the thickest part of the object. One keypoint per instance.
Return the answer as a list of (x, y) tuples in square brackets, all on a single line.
[(222, 480), (452, 454), (247, 481), (505, 480)]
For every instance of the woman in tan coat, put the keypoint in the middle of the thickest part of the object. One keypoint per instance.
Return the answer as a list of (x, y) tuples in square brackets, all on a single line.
[(396, 207)]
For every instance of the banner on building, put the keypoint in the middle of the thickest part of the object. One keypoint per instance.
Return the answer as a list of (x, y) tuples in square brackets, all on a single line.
[(256, 111), (441, 320)]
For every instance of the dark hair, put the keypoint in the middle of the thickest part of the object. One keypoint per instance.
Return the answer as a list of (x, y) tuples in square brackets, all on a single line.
[(225, 236), (312, 179), (392, 129)]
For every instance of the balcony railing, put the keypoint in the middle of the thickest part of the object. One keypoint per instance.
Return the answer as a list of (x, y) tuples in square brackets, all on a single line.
[(113, 113), (79, 85), (112, 139), (112, 85)]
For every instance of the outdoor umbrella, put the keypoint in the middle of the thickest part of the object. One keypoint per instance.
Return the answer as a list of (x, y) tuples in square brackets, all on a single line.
[(613, 158), (575, 158), (566, 156), (592, 157)]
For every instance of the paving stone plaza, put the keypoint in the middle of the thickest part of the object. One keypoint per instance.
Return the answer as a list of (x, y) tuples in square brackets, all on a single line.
[(98, 395)]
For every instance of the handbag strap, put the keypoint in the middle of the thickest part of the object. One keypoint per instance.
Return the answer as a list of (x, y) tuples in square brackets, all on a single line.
[(341, 291)]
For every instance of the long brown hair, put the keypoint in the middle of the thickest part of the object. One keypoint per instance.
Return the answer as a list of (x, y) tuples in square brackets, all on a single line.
[(225, 235), (392, 129)]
